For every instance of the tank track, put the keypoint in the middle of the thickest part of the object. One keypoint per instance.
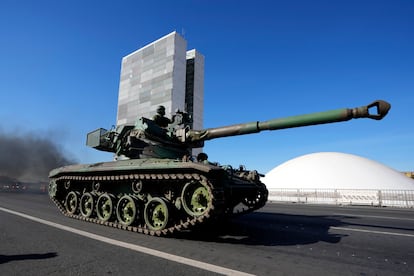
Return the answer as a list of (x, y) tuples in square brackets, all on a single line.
[(214, 210)]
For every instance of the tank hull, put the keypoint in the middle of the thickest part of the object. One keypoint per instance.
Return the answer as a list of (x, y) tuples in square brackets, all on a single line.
[(154, 196)]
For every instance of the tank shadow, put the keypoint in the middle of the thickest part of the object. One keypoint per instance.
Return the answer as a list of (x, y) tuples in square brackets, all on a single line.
[(22, 257), (269, 229)]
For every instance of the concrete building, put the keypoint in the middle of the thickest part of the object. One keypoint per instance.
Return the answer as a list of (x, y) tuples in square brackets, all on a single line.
[(162, 73), (194, 87)]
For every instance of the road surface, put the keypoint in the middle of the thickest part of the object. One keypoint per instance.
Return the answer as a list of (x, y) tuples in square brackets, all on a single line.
[(279, 239)]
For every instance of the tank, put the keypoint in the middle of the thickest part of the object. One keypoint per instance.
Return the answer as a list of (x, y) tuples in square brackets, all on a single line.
[(155, 186)]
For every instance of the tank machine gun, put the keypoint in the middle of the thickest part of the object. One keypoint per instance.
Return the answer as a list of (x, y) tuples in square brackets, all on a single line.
[(156, 188)]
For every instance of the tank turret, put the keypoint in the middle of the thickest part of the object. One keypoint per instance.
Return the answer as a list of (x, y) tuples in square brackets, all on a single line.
[(155, 188), (147, 139)]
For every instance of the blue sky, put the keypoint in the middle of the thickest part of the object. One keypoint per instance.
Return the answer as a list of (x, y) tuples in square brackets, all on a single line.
[(60, 66)]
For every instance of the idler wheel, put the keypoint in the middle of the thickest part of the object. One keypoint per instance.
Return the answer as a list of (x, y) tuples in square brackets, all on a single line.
[(87, 204), (72, 202), (196, 198), (52, 188), (104, 207), (126, 210), (156, 214)]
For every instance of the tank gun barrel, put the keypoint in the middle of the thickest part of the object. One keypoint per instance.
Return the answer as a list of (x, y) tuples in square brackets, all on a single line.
[(376, 110)]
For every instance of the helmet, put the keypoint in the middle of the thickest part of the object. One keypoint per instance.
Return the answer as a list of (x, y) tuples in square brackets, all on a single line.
[(161, 109)]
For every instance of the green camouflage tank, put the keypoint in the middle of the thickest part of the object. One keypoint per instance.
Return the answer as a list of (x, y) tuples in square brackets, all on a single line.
[(157, 187)]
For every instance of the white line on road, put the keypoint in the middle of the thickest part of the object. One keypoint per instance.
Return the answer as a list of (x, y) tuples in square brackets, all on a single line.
[(145, 250), (367, 216), (372, 232)]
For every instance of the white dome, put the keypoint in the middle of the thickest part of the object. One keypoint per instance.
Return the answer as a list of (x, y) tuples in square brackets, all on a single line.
[(333, 170)]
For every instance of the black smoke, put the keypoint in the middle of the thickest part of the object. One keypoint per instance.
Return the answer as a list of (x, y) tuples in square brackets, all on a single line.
[(27, 157)]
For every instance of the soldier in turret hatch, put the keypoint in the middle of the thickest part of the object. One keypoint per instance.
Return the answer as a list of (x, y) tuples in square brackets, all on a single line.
[(160, 118), (202, 158)]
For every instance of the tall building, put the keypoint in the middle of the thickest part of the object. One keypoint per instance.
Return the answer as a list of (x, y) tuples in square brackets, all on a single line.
[(194, 87), (162, 73)]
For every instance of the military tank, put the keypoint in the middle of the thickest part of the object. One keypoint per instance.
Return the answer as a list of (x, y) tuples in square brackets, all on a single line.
[(155, 186)]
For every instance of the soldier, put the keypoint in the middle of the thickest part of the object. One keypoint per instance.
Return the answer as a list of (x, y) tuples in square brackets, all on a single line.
[(202, 158), (160, 118)]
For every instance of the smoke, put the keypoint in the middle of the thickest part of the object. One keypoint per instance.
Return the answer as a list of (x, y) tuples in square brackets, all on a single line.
[(26, 157)]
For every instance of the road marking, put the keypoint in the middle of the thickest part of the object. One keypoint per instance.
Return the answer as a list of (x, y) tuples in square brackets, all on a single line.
[(367, 216), (145, 250), (372, 232)]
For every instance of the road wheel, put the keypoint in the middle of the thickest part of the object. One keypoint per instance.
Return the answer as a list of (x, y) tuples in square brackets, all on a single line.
[(72, 202), (105, 207), (196, 198), (126, 210), (156, 214), (87, 204)]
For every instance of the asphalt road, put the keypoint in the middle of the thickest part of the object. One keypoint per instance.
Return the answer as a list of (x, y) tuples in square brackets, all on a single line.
[(280, 239)]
